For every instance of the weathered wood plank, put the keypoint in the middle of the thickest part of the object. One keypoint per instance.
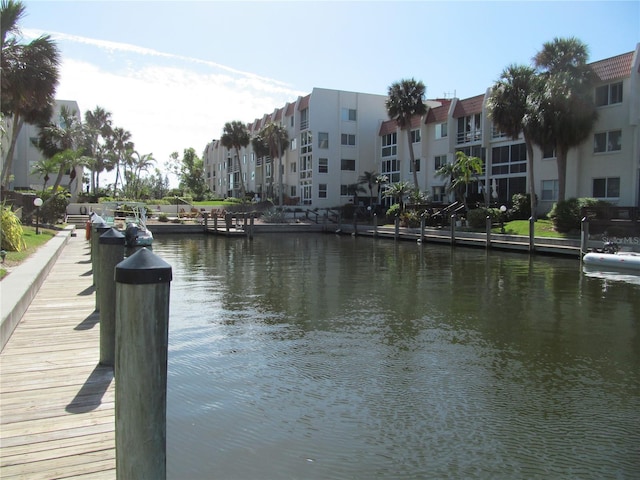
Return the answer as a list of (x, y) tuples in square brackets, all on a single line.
[(56, 403)]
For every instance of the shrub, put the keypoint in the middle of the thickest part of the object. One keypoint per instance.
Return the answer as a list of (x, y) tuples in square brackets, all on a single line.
[(163, 217), (393, 210), (53, 209), (410, 219), (566, 215), (273, 215), (477, 217), (12, 233), (520, 207)]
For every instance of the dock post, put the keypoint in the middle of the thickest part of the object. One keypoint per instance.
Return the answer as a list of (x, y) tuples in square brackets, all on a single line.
[(532, 235), (375, 224), (244, 221), (142, 334), (111, 253), (422, 225), (355, 223), (205, 217), (251, 222), (488, 230), (227, 220), (396, 223), (584, 236), (215, 223), (99, 229), (453, 229)]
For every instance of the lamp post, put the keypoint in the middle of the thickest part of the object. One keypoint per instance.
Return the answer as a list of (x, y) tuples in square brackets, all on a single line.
[(503, 209), (37, 202)]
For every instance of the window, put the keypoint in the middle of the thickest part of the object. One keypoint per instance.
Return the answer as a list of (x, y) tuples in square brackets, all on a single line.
[(437, 194), (607, 141), (293, 167), (549, 190), (346, 164), (509, 159), (417, 162), (306, 139), (549, 151), (292, 191), (323, 165), (606, 187), (322, 190), (391, 168), (347, 139), (253, 157), (415, 136), (348, 115), (344, 190), (439, 161), (609, 94), (389, 144), (323, 140), (441, 130), (294, 143), (304, 119), (469, 129)]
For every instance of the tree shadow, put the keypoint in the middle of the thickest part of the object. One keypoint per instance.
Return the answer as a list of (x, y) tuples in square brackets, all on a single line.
[(89, 322), (89, 397), (87, 273), (84, 261)]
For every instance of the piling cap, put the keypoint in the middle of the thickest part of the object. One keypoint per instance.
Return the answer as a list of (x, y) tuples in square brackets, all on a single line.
[(143, 267), (112, 237)]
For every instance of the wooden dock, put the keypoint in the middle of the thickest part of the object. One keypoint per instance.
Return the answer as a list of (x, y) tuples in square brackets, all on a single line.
[(56, 403)]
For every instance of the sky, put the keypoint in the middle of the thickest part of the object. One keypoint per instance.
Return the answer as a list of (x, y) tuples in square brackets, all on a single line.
[(173, 72)]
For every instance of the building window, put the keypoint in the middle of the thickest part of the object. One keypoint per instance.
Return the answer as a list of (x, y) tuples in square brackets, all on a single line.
[(344, 190), (323, 165), (549, 190), (294, 143), (292, 191), (322, 190), (348, 115), (346, 139), (606, 187), (441, 131), (417, 162), (439, 161), (437, 194), (389, 144), (415, 136), (509, 159), (346, 164), (293, 167), (607, 141), (291, 121), (304, 119), (609, 94), (469, 129), (306, 140), (391, 168), (549, 151), (323, 140)]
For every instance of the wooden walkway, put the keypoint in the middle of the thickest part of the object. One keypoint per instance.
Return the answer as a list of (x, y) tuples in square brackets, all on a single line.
[(56, 403)]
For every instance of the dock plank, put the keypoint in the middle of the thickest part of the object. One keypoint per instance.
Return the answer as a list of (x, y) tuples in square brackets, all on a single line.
[(57, 416)]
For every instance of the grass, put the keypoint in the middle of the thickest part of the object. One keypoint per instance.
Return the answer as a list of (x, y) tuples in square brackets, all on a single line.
[(32, 241), (543, 228)]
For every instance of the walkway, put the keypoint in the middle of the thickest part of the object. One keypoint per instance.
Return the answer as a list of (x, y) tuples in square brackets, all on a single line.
[(56, 403)]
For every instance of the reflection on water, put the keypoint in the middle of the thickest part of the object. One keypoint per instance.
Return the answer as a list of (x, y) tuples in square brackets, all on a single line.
[(317, 356)]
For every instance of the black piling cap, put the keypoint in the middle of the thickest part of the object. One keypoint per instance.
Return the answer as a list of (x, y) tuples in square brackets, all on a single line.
[(143, 267), (112, 236), (101, 228)]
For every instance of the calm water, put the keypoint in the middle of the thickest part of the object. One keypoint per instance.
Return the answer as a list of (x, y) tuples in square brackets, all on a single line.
[(325, 357)]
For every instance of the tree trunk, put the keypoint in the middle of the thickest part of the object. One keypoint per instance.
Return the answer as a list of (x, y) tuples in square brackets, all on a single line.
[(561, 161), (243, 192), (281, 193), (532, 185), (16, 127), (413, 160)]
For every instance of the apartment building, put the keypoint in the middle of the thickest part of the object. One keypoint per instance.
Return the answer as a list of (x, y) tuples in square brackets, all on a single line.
[(26, 156), (605, 166), (332, 142), (336, 136)]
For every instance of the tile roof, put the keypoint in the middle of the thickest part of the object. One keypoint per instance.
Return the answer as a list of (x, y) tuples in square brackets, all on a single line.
[(304, 102), (439, 114), (290, 109), (469, 106), (278, 114), (613, 68), (388, 126)]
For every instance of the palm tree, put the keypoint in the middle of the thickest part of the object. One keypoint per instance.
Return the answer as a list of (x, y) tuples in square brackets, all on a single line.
[(140, 163), (509, 107), (405, 101), (564, 110), (44, 168), (120, 147), (398, 191), (369, 179), (380, 181), (28, 80), (277, 138), (97, 125), (460, 174), (261, 150), (236, 135)]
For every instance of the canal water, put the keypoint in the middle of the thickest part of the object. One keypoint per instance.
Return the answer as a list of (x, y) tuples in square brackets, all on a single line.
[(336, 357)]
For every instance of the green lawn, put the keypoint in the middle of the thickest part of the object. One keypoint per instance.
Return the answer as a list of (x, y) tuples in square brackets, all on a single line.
[(543, 228), (32, 241)]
